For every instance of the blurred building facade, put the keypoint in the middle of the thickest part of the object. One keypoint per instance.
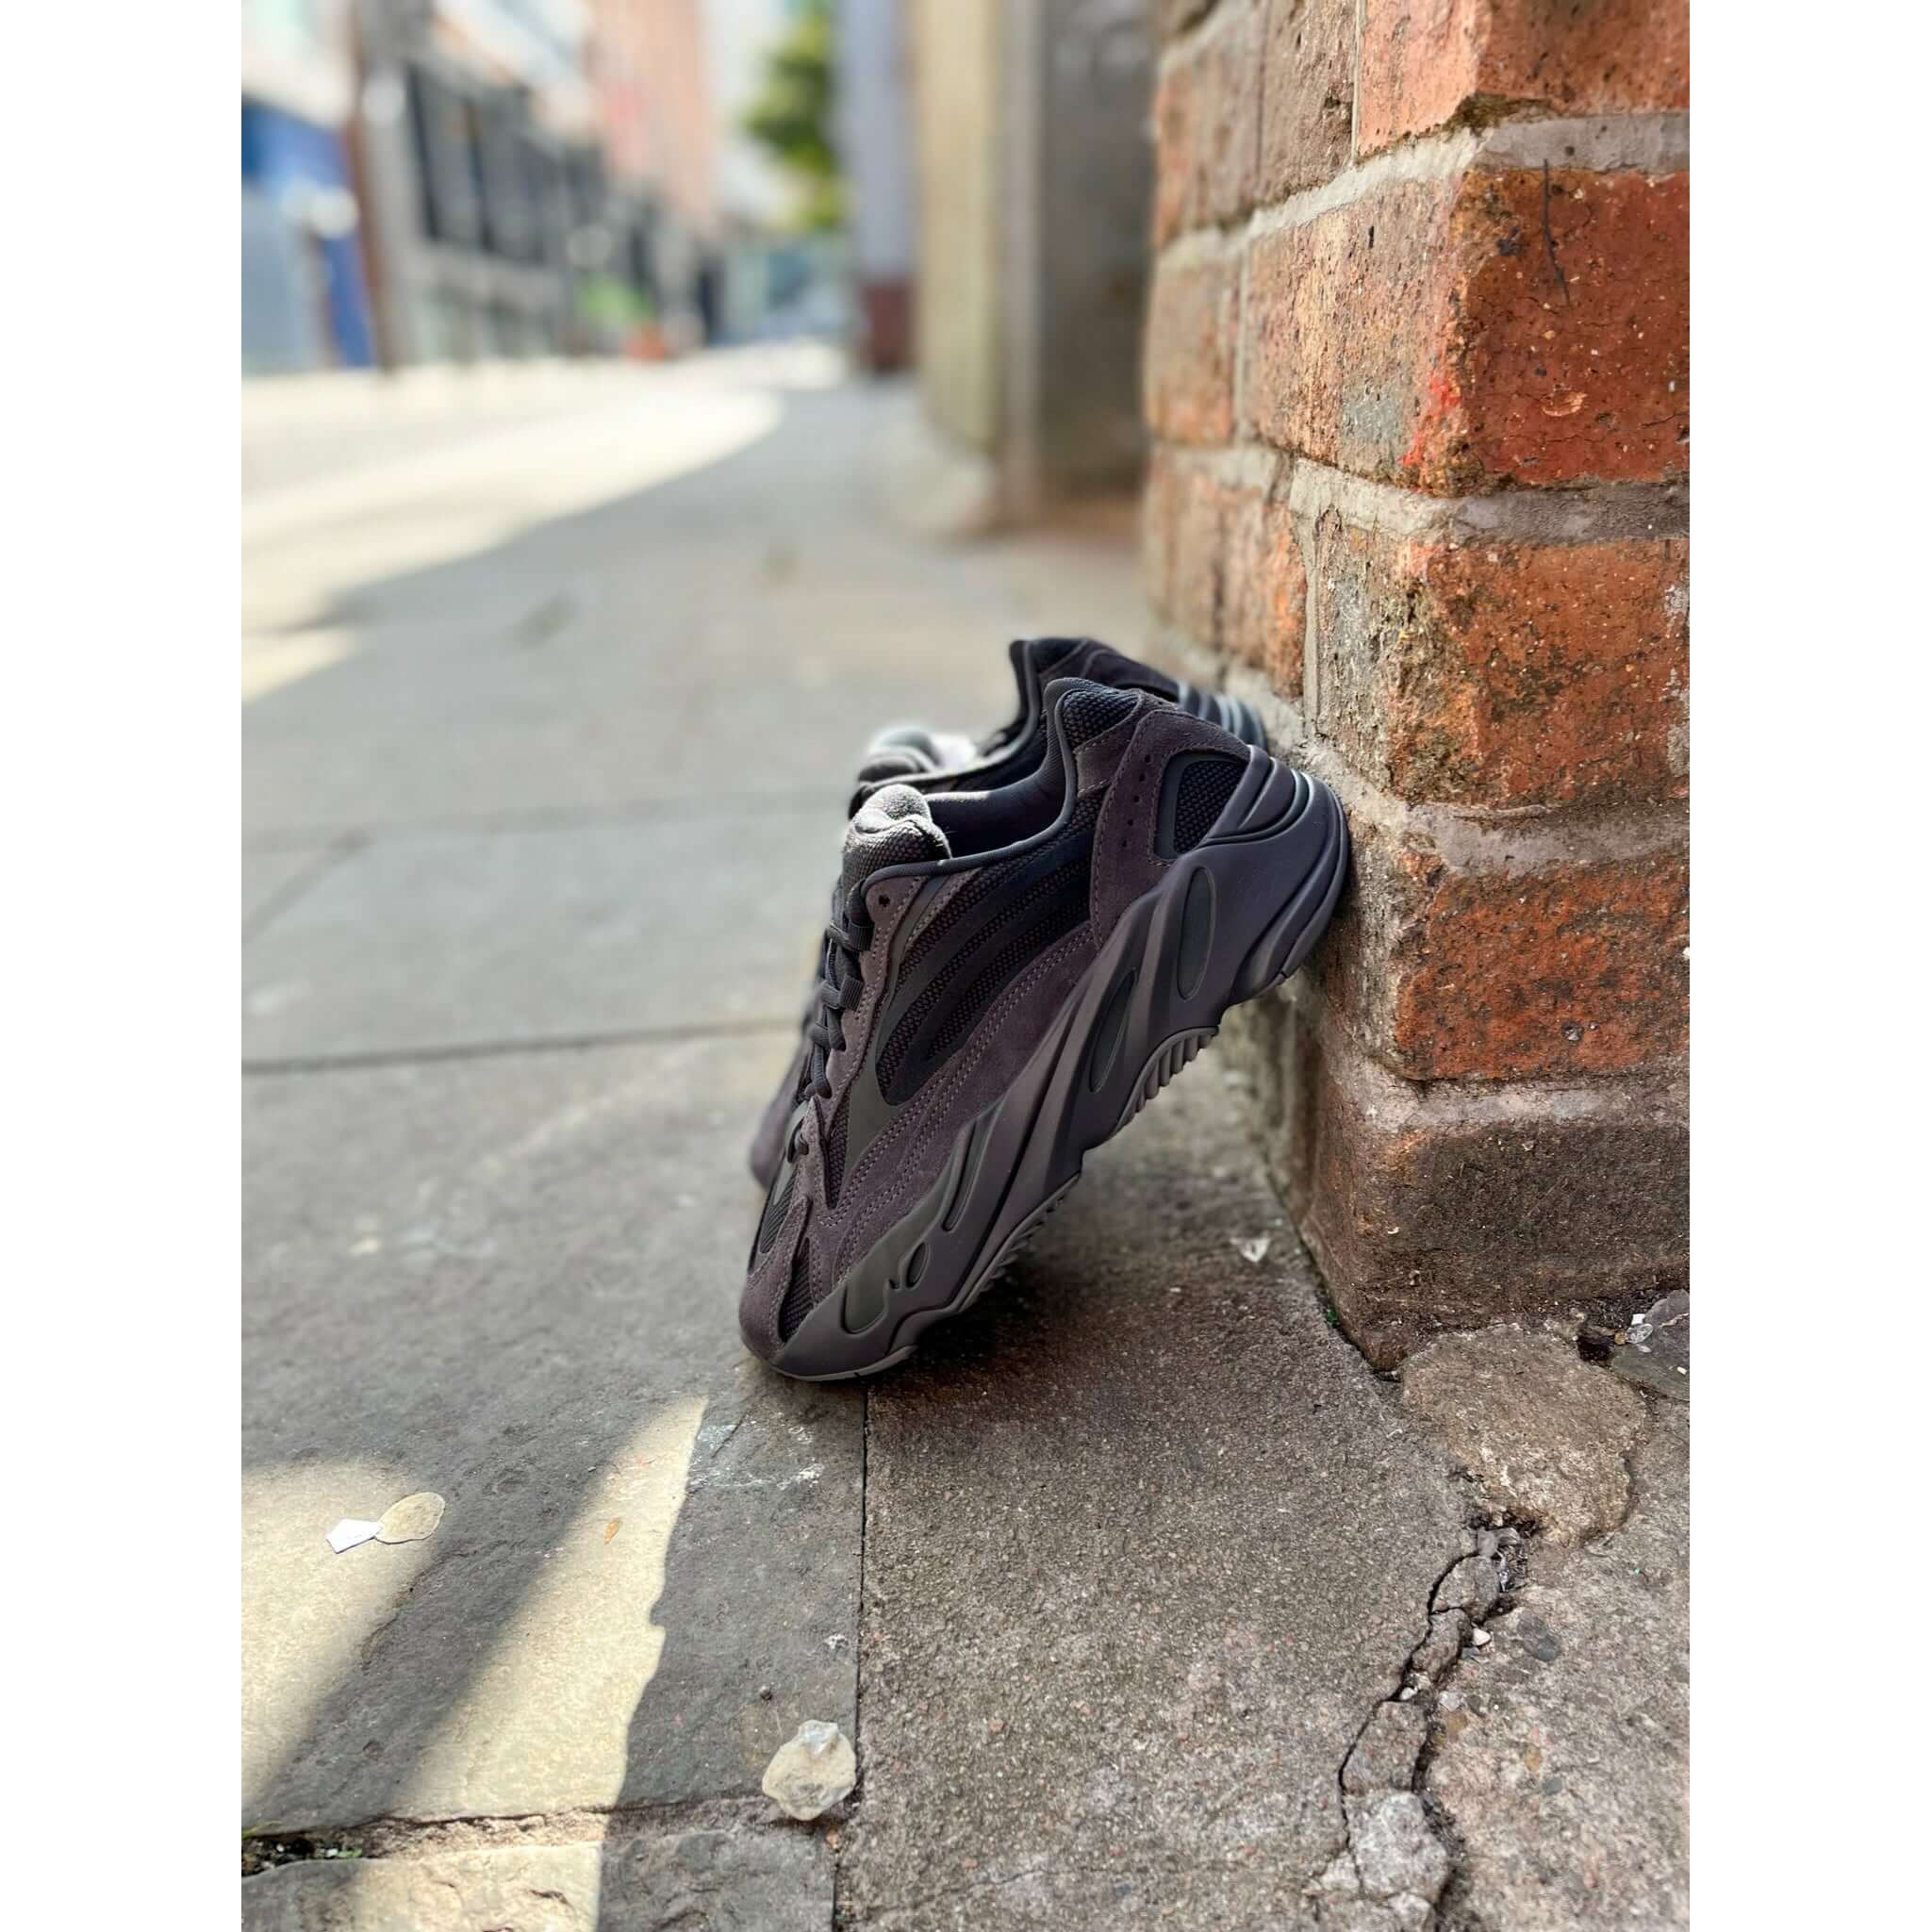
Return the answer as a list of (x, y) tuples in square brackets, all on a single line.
[(497, 225), (875, 141), (304, 299), (1034, 178), (427, 180), (660, 137)]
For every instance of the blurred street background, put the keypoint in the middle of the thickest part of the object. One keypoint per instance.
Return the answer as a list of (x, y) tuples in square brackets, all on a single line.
[(462, 183)]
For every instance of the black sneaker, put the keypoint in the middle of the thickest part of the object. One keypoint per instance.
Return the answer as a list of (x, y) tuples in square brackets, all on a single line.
[(1009, 975), (938, 762)]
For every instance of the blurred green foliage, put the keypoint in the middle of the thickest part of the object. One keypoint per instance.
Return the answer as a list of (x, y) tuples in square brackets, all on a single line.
[(791, 117), (604, 302)]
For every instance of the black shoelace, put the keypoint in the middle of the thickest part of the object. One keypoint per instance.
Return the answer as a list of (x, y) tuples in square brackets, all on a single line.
[(839, 989)]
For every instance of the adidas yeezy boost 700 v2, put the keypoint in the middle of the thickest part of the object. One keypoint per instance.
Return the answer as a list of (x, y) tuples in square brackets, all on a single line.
[(936, 762), (1009, 976)]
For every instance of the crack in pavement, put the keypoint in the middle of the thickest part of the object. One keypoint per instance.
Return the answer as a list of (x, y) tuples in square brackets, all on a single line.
[(858, 1792), (1410, 1858), (340, 846), (491, 1050), (394, 1836)]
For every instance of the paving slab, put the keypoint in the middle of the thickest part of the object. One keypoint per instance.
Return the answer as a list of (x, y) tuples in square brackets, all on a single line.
[(423, 941), (727, 1879), (1146, 1544), (511, 1282), (743, 626), (1563, 1771), (270, 872)]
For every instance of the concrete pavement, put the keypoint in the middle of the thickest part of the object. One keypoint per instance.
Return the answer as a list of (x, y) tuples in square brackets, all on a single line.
[(551, 701)]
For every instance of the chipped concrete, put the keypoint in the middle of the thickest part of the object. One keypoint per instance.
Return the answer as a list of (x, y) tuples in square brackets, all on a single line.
[(1563, 1768), (1543, 1432)]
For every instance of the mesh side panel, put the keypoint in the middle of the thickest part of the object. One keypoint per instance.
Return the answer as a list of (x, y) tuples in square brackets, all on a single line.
[(1063, 915), (1206, 786), (834, 1152), (775, 1210), (797, 1304), (1086, 714)]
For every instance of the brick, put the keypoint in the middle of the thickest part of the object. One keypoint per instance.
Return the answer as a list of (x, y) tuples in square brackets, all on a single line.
[(1308, 94), (1221, 562), (1454, 968), (1443, 1207), (1227, 135), (1176, 117), (1175, 14), (1184, 540), (1206, 124), (1157, 513), (1504, 675), (1264, 590), (1499, 328), (1188, 376), (1427, 63)]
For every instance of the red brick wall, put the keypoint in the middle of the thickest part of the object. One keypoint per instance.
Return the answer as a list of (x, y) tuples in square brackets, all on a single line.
[(1417, 377)]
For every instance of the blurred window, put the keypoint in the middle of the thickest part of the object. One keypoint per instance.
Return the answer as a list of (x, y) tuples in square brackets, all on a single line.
[(442, 125)]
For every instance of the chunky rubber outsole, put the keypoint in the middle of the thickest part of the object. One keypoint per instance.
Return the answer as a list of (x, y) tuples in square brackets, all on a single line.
[(1235, 916)]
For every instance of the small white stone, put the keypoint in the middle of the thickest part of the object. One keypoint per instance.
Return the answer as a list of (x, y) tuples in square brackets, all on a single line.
[(812, 1771), (1480, 1638)]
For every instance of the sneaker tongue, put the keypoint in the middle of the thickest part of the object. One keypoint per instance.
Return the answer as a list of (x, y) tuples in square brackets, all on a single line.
[(892, 828)]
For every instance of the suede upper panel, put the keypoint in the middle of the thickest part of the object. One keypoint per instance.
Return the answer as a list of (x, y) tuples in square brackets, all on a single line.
[(906, 1157), (770, 1275), (1125, 862), (1097, 760)]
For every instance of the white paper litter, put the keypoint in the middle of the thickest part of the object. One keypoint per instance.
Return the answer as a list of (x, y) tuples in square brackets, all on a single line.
[(407, 1521)]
